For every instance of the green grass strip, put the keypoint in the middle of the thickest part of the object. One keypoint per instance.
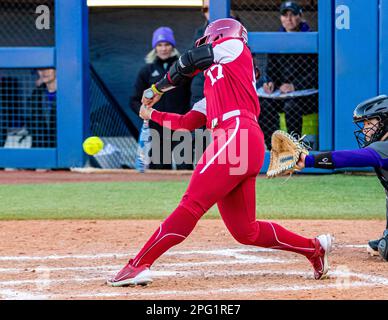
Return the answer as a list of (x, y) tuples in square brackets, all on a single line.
[(304, 197)]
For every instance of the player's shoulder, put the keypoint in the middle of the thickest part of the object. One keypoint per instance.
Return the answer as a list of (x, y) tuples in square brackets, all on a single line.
[(381, 147), (228, 40), (227, 49), (229, 43)]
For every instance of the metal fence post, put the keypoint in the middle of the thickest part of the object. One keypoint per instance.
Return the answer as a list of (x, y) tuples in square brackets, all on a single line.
[(73, 80)]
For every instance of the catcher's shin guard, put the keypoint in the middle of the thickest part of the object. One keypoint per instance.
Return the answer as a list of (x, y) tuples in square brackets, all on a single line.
[(383, 246), (372, 247)]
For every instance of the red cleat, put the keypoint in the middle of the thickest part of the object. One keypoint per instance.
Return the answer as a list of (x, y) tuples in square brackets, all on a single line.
[(319, 260), (131, 276)]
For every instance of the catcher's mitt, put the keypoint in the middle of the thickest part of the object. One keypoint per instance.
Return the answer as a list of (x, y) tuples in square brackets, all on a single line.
[(285, 153)]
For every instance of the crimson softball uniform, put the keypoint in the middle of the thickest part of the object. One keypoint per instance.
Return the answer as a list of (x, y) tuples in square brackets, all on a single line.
[(226, 173)]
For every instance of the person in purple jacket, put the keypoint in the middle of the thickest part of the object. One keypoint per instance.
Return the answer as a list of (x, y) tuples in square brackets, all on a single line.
[(371, 118)]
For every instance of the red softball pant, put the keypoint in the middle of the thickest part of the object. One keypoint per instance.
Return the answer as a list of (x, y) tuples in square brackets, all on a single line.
[(226, 176)]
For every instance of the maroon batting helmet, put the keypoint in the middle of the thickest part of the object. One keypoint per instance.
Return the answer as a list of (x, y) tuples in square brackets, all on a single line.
[(223, 28)]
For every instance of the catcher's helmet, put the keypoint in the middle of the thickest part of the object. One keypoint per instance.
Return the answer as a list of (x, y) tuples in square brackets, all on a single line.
[(223, 28), (375, 108)]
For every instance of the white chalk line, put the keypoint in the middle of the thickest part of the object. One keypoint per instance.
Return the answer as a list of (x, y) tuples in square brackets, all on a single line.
[(159, 274), (203, 293), (373, 280), (369, 280), (221, 251), (210, 292), (250, 261), (8, 294)]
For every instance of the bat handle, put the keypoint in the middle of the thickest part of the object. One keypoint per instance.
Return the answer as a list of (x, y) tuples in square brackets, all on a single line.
[(144, 121)]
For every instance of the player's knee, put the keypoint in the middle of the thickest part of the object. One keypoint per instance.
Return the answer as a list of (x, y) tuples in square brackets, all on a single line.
[(246, 238), (193, 206)]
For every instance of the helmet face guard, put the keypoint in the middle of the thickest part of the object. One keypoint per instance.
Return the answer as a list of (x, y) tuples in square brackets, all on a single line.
[(223, 28), (374, 133), (375, 108)]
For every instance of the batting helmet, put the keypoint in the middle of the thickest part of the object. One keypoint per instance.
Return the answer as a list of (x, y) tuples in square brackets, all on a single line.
[(223, 28), (375, 108)]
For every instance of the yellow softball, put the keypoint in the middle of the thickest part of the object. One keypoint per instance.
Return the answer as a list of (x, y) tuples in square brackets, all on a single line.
[(93, 145)]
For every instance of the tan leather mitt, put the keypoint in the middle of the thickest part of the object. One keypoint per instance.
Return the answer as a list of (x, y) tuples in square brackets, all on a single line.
[(285, 153)]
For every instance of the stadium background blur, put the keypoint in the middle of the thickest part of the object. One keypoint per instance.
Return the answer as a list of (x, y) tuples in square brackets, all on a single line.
[(98, 50)]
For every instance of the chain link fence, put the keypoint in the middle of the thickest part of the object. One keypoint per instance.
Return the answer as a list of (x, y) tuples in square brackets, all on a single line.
[(264, 15), (27, 111), (295, 112), (108, 122), (28, 117), (27, 23)]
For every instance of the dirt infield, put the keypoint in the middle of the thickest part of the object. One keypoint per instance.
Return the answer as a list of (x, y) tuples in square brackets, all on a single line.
[(71, 259)]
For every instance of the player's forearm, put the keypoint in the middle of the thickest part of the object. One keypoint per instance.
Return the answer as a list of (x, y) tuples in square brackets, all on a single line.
[(349, 158), (189, 121), (187, 66)]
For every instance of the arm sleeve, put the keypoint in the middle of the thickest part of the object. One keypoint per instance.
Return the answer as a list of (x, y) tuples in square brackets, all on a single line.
[(189, 121), (187, 66), (366, 157)]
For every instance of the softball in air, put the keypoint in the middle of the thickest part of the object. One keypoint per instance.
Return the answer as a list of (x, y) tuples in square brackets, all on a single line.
[(93, 145)]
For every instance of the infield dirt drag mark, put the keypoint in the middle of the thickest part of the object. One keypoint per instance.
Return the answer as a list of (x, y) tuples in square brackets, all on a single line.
[(209, 265)]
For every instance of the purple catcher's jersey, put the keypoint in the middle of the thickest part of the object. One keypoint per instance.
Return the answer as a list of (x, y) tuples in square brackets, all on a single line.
[(381, 147)]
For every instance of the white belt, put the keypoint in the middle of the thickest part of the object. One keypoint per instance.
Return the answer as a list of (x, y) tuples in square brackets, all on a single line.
[(231, 114), (226, 116)]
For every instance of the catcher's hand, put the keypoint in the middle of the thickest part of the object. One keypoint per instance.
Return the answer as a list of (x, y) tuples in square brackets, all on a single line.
[(285, 154)]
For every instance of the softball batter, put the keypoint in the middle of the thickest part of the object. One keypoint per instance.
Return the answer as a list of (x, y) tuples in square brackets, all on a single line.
[(230, 109)]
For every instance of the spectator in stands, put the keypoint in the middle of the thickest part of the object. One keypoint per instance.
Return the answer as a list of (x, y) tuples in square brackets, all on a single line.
[(158, 62), (43, 110), (288, 73)]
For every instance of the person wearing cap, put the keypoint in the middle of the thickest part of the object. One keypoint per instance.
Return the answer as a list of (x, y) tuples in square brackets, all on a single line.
[(42, 123), (158, 62), (288, 73), (291, 18)]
